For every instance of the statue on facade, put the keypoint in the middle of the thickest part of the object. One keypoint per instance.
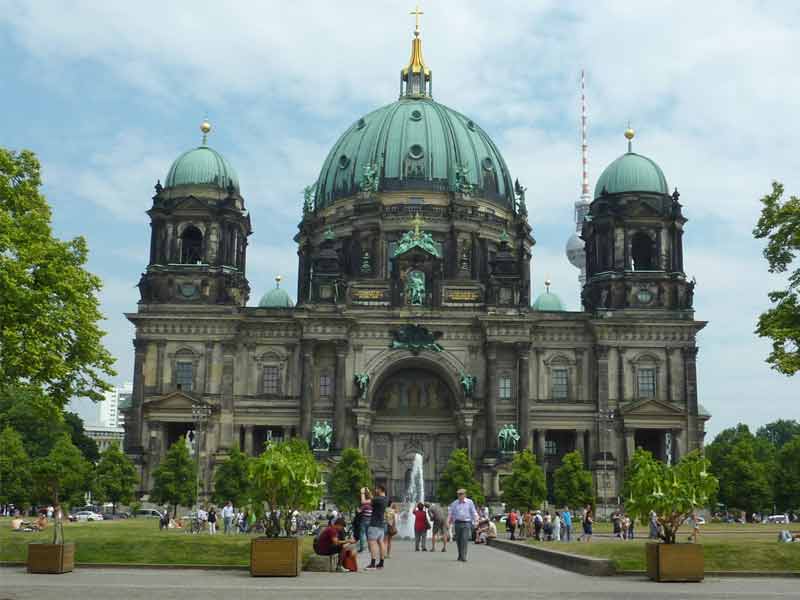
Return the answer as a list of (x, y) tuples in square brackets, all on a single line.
[(463, 186), (370, 181), (321, 436), (508, 438), (519, 192), (415, 288), (309, 198), (416, 338), (362, 381), (366, 263), (468, 383)]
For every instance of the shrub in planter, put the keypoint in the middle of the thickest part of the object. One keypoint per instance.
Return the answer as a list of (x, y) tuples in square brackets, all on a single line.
[(285, 478), (673, 493)]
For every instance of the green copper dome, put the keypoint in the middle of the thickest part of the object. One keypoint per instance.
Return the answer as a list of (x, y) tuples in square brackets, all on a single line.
[(202, 166), (276, 298), (415, 144), (631, 172), (548, 301)]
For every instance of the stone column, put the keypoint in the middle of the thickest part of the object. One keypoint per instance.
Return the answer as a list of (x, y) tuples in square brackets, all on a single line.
[(677, 444), (491, 398), (523, 355), (248, 440), (579, 444), (536, 370), (134, 444), (161, 346), (209, 361), (307, 394), (602, 378), (226, 396), (340, 406), (690, 393), (621, 376), (541, 435), (630, 443)]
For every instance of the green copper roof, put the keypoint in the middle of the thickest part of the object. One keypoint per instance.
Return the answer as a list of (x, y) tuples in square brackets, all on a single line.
[(201, 166), (276, 298), (632, 172), (548, 301), (414, 144)]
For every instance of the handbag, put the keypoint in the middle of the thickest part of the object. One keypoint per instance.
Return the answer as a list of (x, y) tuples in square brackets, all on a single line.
[(391, 530)]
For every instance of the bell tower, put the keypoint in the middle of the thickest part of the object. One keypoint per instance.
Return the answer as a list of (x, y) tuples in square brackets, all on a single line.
[(198, 233), (634, 240)]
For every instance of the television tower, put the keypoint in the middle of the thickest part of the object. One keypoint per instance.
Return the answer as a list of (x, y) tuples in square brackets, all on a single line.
[(576, 253)]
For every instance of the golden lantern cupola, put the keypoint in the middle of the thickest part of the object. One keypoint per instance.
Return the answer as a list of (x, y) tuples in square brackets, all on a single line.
[(415, 78)]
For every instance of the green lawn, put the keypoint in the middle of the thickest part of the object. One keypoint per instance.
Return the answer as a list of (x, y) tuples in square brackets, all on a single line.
[(727, 547), (135, 541)]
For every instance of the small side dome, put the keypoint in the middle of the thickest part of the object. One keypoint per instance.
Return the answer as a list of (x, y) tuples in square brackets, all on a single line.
[(276, 297), (202, 166), (631, 172), (548, 301)]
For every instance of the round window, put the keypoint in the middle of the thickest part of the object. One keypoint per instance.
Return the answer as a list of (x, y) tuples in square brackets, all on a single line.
[(487, 163), (416, 115), (416, 151), (343, 161), (471, 125), (361, 124), (644, 296)]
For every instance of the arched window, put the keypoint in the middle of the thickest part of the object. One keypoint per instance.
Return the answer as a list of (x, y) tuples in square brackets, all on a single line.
[(643, 252), (191, 246)]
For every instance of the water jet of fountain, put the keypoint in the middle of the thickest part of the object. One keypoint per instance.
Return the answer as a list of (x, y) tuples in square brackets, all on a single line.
[(414, 493)]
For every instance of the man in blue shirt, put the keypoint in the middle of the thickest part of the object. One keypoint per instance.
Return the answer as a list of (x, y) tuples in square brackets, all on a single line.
[(463, 516), (566, 524)]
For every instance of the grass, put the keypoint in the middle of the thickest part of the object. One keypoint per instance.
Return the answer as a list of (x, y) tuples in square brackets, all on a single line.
[(136, 541), (726, 547)]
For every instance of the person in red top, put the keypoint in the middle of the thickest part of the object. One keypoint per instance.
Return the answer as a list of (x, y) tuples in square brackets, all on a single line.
[(330, 542), (421, 527), (511, 522)]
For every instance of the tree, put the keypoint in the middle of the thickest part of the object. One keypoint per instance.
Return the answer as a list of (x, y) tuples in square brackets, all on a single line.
[(779, 223), (744, 466), (87, 446), (15, 470), (459, 473), (780, 432), (572, 484), (673, 492), (33, 415), (61, 478), (232, 479), (286, 476), (350, 474), (175, 479), (526, 487), (115, 477), (787, 476), (49, 336)]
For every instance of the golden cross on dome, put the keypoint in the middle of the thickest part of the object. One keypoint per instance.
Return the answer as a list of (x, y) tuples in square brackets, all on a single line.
[(417, 222), (416, 12)]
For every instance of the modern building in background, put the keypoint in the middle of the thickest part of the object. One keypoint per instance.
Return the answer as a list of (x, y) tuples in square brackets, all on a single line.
[(414, 329), (109, 407)]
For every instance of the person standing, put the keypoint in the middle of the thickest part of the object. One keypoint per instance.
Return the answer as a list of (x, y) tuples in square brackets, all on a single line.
[(391, 529), (227, 518), (377, 526), (511, 522), (463, 516), (212, 521), (587, 524), (439, 527), (566, 524), (420, 527), (364, 517), (556, 527), (653, 525)]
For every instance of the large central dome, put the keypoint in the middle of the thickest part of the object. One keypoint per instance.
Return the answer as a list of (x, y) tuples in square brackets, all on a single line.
[(415, 144)]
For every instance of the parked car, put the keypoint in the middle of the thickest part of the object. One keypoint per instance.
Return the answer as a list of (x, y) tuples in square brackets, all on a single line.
[(86, 515), (150, 513), (109, 516), (777, 519)]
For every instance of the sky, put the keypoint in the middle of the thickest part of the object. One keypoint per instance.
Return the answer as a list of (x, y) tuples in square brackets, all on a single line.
[(108, 94)]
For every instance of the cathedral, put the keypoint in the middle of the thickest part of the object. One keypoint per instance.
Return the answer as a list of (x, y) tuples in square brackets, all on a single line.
[(414, 330)]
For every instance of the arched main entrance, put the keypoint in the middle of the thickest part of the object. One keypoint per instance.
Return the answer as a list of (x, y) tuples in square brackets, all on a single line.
[(413, 412)]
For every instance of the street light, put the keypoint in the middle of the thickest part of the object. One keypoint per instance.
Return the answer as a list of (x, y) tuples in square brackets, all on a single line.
[(200, 414)]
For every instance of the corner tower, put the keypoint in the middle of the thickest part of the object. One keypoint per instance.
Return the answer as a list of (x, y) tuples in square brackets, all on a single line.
[(198, 233)]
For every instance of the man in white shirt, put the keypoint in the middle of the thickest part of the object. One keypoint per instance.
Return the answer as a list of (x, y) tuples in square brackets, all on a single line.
[(227, 517), (463, 516)]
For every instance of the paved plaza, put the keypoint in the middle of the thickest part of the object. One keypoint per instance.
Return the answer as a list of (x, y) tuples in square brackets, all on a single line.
[(490, 573)]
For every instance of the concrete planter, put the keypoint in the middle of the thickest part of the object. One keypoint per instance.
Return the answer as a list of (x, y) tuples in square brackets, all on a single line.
[(675, 562), (51, 558), (276, 557)]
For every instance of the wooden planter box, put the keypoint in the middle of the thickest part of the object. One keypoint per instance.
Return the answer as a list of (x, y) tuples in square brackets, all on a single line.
[(51, 558), (276, 557), (675, 562)]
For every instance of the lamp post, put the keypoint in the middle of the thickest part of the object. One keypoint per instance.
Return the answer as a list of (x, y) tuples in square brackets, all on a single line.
[(200, 414)]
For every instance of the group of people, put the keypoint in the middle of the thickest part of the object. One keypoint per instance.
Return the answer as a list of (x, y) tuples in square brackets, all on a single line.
[(546, 526), (623, 525), (428, 517), (233, 521)]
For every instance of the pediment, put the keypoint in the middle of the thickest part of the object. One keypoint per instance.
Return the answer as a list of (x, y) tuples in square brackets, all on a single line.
[(190, 202), (652, 408), (173, 401), (643, 208)]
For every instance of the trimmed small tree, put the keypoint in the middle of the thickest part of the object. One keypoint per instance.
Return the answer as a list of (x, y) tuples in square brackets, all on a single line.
[(115, 477), (286, 478), (350, 474), (459, 473), (175, 479), (15, 470), (232, 479), (572, 483), (526, 486), (672, 492), (60, 478)]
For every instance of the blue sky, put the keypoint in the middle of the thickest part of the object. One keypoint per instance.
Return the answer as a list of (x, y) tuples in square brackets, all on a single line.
[(108, 94)]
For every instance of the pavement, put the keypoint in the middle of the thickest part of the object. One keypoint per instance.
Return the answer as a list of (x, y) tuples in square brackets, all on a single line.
[(489, 573)]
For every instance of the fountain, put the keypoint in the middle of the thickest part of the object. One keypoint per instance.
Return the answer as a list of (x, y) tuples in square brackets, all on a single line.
[(414, 493)]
